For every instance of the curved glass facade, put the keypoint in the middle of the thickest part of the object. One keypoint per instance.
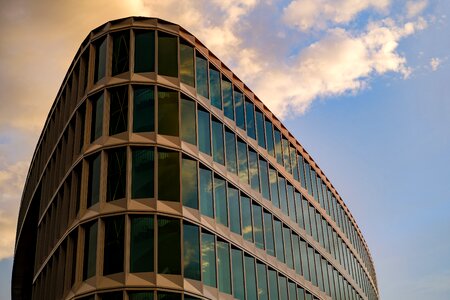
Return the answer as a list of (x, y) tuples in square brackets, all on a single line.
[(160, 174)]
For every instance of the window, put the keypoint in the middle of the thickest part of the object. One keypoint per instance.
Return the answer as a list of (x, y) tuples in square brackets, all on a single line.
[(90, 250), (141, 244), (217, 141), (144, 51), (250, 119), (111, 296), (227, 92), (189, 182), (100, 59), (262, 281), (260, 128), (258, 226), (278, 152), (283, 195), (273, 285), (220, 198), (140, 295), (97, 117), (282, 284), (239, 108), (142, 173), (188, 130), (263, 172), (223, 264), (168, 175), (238, 273), (269, 137), (288, 247), (296, 253), (117, 174), (230, 145), (191, 247), (286, 158), (121, 52), (169, 246), (208, 259), (143, 109), (235, 214), (242, 157), (167, 112), (114, 245), (300, 293), (279, 240), (292, 290), (274, 187), (253, 164), (167, 55), (294, 163), (312, 267), (204, 134), (247, 229), (298, 208), (94, 180), (301, 169), (305, 208), (206, 200), (250, 277), (118, 110), (308, 178), (319, 271), (202, 75), (186, 63), (268, 231), (215, 89), (291, 202)]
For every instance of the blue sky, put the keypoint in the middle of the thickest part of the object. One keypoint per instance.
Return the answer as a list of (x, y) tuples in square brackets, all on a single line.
[(364, 89)]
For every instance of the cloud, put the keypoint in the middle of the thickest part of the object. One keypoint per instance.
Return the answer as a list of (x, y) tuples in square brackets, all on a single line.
[(317, 14), (435, 62), (414, 8)]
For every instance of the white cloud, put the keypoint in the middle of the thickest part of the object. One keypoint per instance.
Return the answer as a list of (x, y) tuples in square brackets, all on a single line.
[(435, 62), (317, 14), (414, 8)]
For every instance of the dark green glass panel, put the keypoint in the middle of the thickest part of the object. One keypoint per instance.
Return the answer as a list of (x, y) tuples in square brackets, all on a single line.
[(298, 209), (247, 228), (319, 228), (217, 141), (269, 138), (187, 64), (278, 151), (167, 55), (273, 285), (260, 129), (253, 168), (294, 162), (300, 293), (235, 214), (223, 264), (206, 199), (250, 119), (202, 76), (243, 161), (94, 180), (314, 185), (114, 245), (279, 246), (215, 89), (274, 187), (331, 280), (268, 231), (309, 296), (258, 226), (97, 117), (305, 209), (169, 246), (250, 277), (282, 283), (100, 59), (168, 175), (239, 108), (220, 199), (312, 267), (117, 174), (141, 244), (142, 180), (227, 92), (286, 158), (312, 219), (140, 295), (296, 253), (230, 145), (288, 247), (301, 170), (167, 112), (308, 178), (208, 259), (143, 109), (168, 296), (238, 274), (144, 51), (262, 281), (264, 174), (121, 52), (204, 132), (191, 248), (291, 202), (283, 195), (292, 290), (319, 271), (90, 250), (118, 110), (188, 122), (111, 296), (189, 182)]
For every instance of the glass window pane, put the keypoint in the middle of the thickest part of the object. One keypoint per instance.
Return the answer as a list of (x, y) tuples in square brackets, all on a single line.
[(186, 63), (100, 59), (169, 245), (243, 162), (121, 52), (260, 128), (223, 262), (235, 215), (282, 282), (312, 219), (217, 141), (286, 158), (239, 107), (143, 109), (97, 117), (250, 119), (268, 231), (118, 110), (140, 295), (292, 291), (167, 55), (230, 145), (117, 174), (204, 134), (191, 248), (94, 180), (247, 230), (319, 271), (144, 51), (227, 92), (238, 274), (309, 296), (202, 75), (168, 175), (250, 277), (220, 199), (300, 293), (274, 187), (308, 178), (208, 259), (273, 285), (258, 226), (215, 89), (312, 267), (283, 195), (111, 296), (279, 240), (305, 208), (288, 247), (262, 281), (143, 162), (279, 154), (298, 209), (264, 178), (301, 170), (206, 200), (168, 296), (167, 112), (114, 245), (269, 137), (294, 162), (90, 250), (141, 244), (296, 253), (291, 202), (254, 172), (188, 130), (189, 182)]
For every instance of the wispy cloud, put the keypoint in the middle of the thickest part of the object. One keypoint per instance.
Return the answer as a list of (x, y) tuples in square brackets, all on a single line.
[(414, 8), (435, 62)]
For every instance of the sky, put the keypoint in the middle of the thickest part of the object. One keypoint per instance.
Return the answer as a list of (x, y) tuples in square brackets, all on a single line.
[(362, 84)]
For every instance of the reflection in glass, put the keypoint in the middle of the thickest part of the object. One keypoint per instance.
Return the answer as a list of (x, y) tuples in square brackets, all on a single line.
[(188, 130), (294, 162), (143, 109), (189, 182), (250, 277), (220, 200), (262, 281), (141, 244), (312, 268), (242, 157), (142, 173), (117, 174), (250, 119), (283, 196), (223, 264), (258, 226), (206, 200), (215, 89), (279, 240), (278, 152), (118, 110), (260, 128), (238, 274), (247, 230), (186, 63), (319, 271), (114, 245), (274, 187), (269, 137), (97, 117), (94, 180), (191, 248), (268, 231), (169, 246), (167, 55), (239, 103), (140, 295), (121, 52), (202, 75), (204, 134), (230, 145), (208, 259), (168, 175), (217, 141), (227, 92), (296, 253), (301, 170), (90, 250), (144, 51), (273, 284), (264, 178), (288, 247), (290, 194), (286, 158), (100, 59), (235, 214), (298, 209), (305, 208), (253, 168), (167, 112)]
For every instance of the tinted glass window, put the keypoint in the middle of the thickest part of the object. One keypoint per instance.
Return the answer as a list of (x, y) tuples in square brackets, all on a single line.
[(264, 174), (100, 59), (282, 282), (294, 162), (227, 92), (187, 63), (301, 170), (288, 247), (111, 296), (206, 200), (278, 151), (292, 290), (286, 158), (247, 229), (215, 89), (144, 51), (274, 187), (140, 295), (273, 285), (167, 55), (204, 134), (300, 293), (217, 141), (220, 198), (319, 271), (121, 52), (279, 240), (168, 296), (168, 175), (97, 117), (250, 119), (114, 245), (298, 208), (243, 163), (94, 180), (169, 246), (117, 174), (143, 109), (202, 76), (142, 177), (260, 128), (269, 137), (258, 226), (239, 107), (296, 253), (283, 195), (268, 231), (167, 112), (223, 263), (235, 214), (250, 277), (141, 244), (312, 268), (191, 247), (189, 182), (230, 145), (238, 273), (118, 110), (290, 194), (262, 281), (90, 250), (254, 173), (305, 209), (208, 259), (188, 130)]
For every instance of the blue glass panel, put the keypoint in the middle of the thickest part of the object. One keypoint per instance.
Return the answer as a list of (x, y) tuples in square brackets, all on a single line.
[(290, 195), (202, 76), (204, 133), (230, 145), (254, 173), (258, 226), (273, 285), (288, 247), (217, 141), (278, 150), (238, 274), (220, 200), (206, 199), (264, 179), (215, 89), (250, 277), (227, 92), (274, 187), (239, 108), (279, 240), (223, 264), (234, 208), (283, 195), (268, 233), (243, 161), (191, 248), (208, 259), (247, 228), (260, 128), (250, 119)]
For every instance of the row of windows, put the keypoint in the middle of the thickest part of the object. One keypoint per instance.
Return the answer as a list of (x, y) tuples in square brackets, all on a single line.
[(139, 295)]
